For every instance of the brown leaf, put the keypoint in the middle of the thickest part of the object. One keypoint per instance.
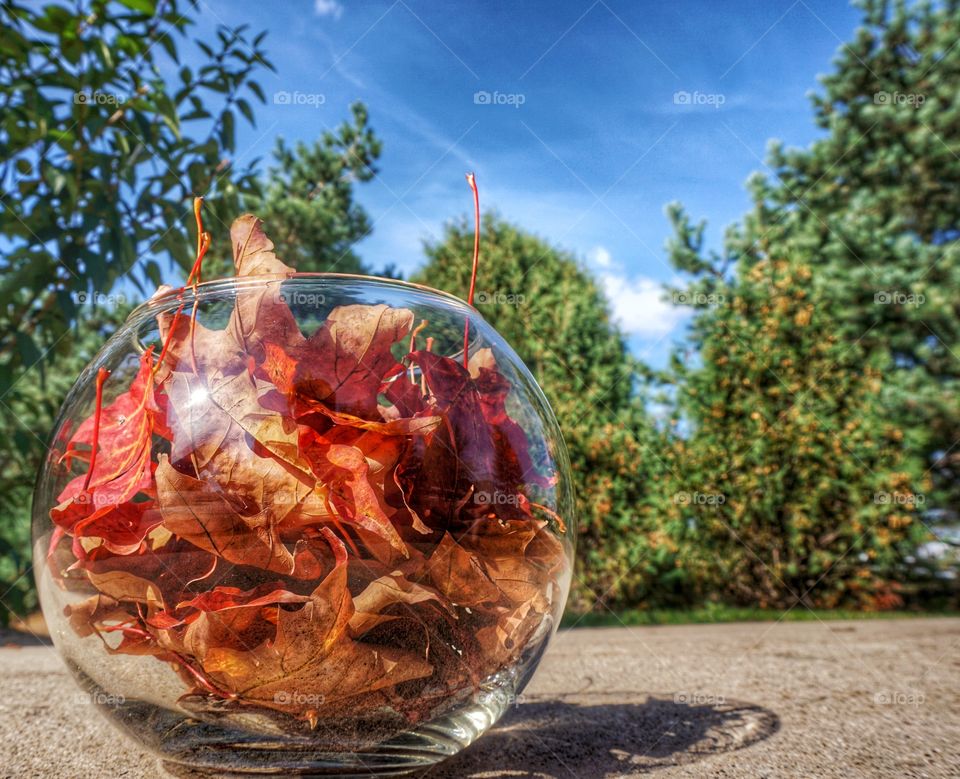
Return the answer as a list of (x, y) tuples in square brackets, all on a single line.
[(391, 597), (522, 557), (313, 656), (345, 361), (252, 251), (197, 512), (260, 314), (459, 575), (251, 453), (345, 473), (123, 530), (125, 586)]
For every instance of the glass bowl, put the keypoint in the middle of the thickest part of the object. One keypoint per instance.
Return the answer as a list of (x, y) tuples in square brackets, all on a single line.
[(287, 526)]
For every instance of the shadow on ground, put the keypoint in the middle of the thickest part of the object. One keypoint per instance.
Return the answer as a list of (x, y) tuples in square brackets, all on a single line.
[(14, 638), (555, 739)]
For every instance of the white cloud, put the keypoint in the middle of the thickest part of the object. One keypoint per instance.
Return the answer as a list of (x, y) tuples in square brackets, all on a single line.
[(600, 256), (640, 305), (328, 8)]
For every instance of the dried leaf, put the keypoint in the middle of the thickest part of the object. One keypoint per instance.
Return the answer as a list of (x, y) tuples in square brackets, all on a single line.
[(459, 575), (391, 597), (203, 515), (123, 468), (312, 651), (344, 363), (296, 524), (261, 315)]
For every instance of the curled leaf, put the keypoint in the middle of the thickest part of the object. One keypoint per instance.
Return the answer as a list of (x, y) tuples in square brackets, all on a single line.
[(302, 524)]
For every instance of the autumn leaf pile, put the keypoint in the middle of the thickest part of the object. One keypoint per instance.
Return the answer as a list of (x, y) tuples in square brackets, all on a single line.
[(303, 523)]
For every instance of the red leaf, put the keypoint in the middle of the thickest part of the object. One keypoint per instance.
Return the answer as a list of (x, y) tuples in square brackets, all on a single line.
[(123, 467), (345, 361), (321, 533), (206, 517)]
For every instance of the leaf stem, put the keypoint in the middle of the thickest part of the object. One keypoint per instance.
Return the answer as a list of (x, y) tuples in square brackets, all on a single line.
[(102, 375), (423, 378), (472, 182), (413, 341), (415, 332), (168, 339), (203, 245), (195, 270)]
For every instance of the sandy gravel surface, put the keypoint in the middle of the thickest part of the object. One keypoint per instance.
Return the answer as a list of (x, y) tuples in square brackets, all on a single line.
[(837, 699)]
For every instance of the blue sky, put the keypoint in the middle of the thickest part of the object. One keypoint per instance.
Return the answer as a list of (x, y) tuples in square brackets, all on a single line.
[(582, 140)]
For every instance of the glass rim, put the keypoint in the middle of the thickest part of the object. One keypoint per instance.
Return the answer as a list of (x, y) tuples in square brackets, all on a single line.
[(204, 288)]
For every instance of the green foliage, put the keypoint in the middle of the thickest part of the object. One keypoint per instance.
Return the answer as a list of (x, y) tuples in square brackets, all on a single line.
[(307, 201), (101, 159), (100, 156), (555, 317), (789, 488), (718, 613), (874, 208), (871, 211), (30, 411)]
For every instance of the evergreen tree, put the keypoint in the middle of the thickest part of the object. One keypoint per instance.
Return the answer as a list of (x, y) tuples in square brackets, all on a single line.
[(874, 207), (556, 318), (306, 200), (789, 487)]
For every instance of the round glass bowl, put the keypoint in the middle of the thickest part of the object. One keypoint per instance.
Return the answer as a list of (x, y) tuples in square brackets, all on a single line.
[(286, 526)]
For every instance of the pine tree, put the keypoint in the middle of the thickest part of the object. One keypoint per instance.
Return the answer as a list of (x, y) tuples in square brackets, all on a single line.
[(874, 208), (308, 200), (789, 487)]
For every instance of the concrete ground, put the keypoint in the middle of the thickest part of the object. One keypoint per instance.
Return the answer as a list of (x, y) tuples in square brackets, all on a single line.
[(837, 699)]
